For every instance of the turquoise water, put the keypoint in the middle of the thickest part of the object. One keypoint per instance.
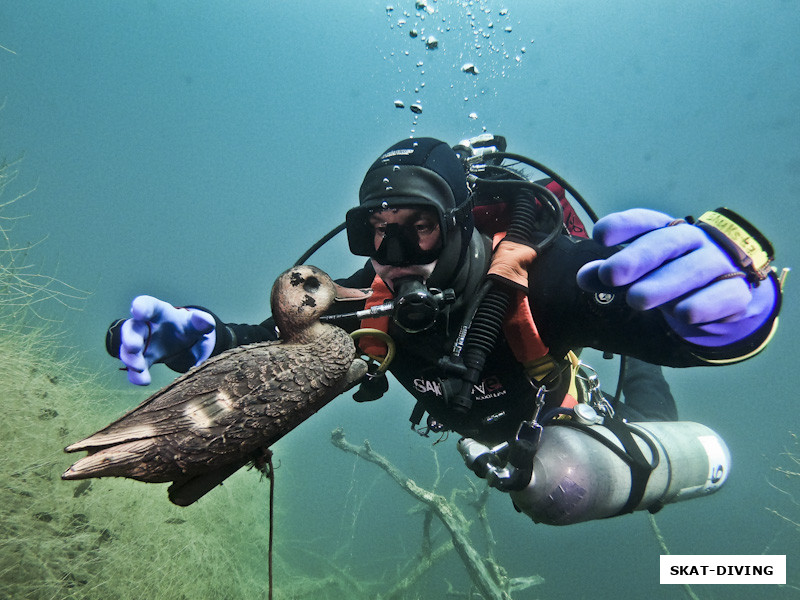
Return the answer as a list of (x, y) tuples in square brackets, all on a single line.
[(192, 150)]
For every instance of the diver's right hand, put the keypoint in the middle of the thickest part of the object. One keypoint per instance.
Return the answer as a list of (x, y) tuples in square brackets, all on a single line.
[(158, 331)]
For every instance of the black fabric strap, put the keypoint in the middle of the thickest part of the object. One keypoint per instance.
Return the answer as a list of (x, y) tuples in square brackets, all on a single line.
[(630, 454), (640, 467)]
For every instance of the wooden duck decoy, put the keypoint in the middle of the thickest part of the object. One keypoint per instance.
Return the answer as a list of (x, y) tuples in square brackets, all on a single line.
[(226, 412)]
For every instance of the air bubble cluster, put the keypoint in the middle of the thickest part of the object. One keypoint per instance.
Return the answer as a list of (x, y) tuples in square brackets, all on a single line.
[(461, 46)]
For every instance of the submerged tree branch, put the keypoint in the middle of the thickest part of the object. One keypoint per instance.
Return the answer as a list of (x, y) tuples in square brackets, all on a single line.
[(488, 578)]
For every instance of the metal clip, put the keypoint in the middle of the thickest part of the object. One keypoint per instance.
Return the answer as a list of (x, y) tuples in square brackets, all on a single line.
[(532, 429), (596, 398), (540, 394)]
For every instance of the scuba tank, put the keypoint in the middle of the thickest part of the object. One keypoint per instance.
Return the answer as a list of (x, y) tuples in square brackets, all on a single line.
[(590, 467)]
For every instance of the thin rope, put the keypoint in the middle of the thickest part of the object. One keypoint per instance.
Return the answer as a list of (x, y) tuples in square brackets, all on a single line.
[(663, 544), (271, 477)]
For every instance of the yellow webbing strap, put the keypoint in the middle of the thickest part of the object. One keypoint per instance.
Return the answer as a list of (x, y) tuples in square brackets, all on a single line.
[(538, 370)]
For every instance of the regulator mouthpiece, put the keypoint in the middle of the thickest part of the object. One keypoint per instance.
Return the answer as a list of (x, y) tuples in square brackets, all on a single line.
[(416, 307)]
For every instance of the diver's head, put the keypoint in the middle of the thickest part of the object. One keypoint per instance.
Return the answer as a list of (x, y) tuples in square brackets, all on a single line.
[(413, 213)]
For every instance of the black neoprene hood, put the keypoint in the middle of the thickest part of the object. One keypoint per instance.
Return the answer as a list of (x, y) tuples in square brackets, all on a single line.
[(433, 155), (413, 172)]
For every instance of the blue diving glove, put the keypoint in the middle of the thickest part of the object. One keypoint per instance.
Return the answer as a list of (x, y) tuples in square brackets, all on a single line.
[(157, 331), (711, 289)]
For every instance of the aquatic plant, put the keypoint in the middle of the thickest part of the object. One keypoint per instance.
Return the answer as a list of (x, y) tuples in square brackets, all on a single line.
[(788, 472), (785, 503), (22, 288), (104, 539)]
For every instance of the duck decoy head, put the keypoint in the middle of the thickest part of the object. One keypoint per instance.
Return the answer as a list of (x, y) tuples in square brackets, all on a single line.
[(302, 294)]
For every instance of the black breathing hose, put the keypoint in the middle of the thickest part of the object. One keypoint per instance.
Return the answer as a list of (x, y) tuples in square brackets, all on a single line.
[(320, 243), (496, 156), (487, 157), (487, 318)]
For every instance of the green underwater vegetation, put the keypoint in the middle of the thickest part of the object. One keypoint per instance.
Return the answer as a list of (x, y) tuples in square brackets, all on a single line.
[(788, 470), (96, 538), (784, 499)]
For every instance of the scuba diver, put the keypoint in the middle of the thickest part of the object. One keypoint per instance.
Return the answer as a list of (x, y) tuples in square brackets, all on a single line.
[(485, 286)]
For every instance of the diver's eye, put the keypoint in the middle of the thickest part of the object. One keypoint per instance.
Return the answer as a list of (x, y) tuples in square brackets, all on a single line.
[(425, 227), (311, 284)]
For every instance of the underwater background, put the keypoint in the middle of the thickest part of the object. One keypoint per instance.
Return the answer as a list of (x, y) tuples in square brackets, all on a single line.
[(193, 150)]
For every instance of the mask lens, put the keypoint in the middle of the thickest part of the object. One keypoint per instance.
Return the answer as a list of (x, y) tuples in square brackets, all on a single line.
[(406, 236), (360, 232), (398, 236)]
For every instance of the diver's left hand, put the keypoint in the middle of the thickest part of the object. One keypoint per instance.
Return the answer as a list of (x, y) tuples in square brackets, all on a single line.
[(680, 271)]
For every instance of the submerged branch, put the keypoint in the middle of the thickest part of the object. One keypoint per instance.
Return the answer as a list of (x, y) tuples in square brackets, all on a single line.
[(485, 575), (425, 563)]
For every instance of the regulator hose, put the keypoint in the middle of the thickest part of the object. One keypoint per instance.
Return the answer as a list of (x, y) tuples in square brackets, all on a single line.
[(497, 157), (485, 318), (320, 243), (482, 336)]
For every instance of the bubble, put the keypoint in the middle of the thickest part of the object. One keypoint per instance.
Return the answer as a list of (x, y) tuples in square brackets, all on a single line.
[(507, 29), (416, 108), (413, 33), (423, 5), (399, 104)]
